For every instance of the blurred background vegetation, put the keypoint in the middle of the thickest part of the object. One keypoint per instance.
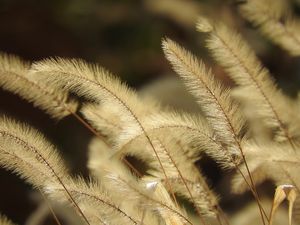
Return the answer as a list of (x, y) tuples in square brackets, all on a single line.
[(124, 36)]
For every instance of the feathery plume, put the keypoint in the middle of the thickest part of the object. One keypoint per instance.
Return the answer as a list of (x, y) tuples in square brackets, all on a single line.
[(101, 164), (270, 161), (95, 83), (185, 179), (180, 157), (25, 152), (233, 53), (268, 16), (93, 200), (187, 130), (221, 112), (104, 120), (137, 193), (108, 119), (14, 77), (22, 146), (89, 81), (29, 155)]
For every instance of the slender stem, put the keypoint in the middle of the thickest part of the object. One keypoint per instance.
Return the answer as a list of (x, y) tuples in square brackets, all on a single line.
[(221, 213), (89, 127), (143, 217), (262, 211), (219, 219), (50, 207), (255, 193), (184, 182), (165, 174)]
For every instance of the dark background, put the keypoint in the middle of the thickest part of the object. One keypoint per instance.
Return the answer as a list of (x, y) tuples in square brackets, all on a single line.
[(125, 37)]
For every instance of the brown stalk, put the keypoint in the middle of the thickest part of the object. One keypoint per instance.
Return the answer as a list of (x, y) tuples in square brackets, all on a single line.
[(50, 207)]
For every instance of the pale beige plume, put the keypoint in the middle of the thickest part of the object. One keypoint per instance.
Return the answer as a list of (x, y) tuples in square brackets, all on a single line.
[(266, 101), (271, 19), (14, 77), (25, 152), (221, 112)]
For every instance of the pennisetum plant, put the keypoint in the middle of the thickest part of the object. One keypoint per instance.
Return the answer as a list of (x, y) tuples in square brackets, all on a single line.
[(252, 129)]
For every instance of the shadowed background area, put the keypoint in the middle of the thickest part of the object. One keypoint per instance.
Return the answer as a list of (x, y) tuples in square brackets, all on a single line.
[(124, 37)]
